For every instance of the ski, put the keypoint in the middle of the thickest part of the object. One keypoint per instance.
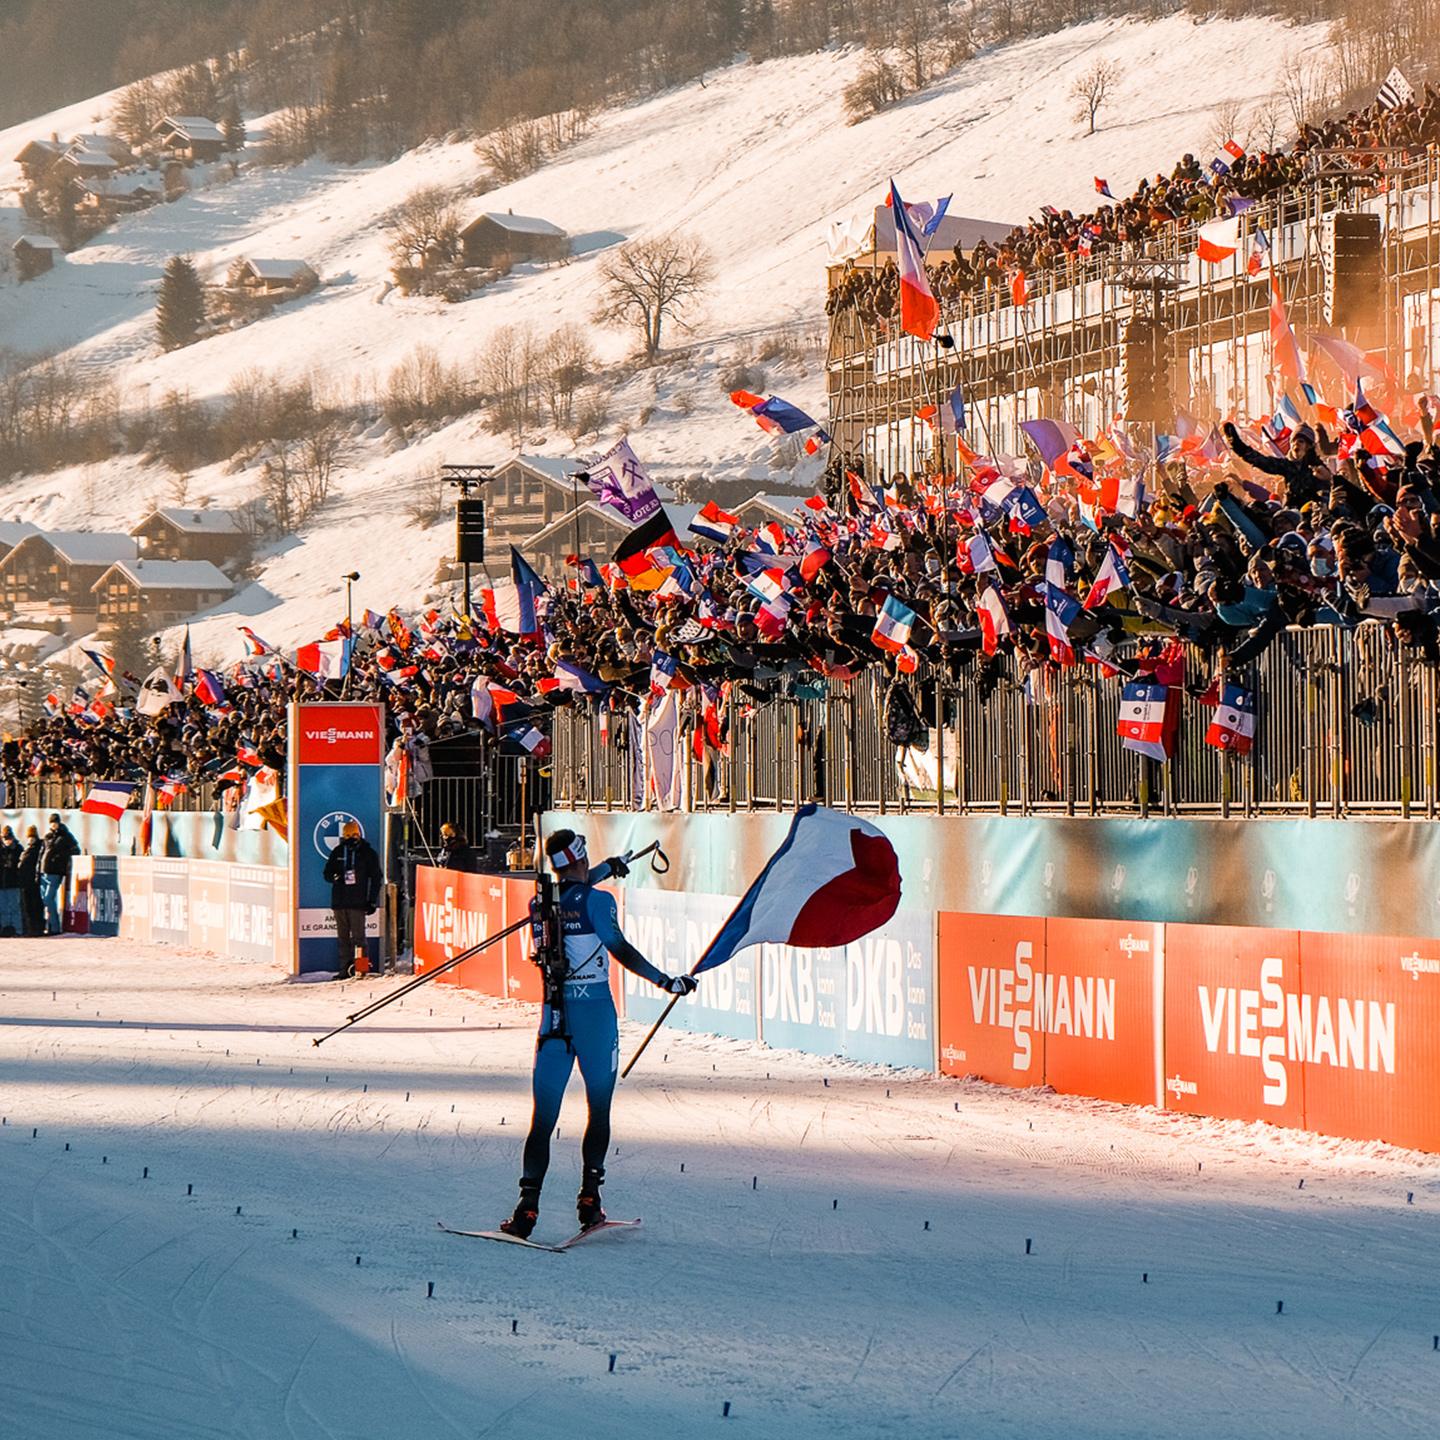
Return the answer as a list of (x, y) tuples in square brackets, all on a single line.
[(502, 1237), (596, 1229)]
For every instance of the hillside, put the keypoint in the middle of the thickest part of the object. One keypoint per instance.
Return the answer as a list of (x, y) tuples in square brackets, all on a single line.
[(757, 161)]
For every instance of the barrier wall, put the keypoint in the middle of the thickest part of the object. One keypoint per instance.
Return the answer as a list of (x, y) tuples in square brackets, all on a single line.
[(174, 834), (233, 910)]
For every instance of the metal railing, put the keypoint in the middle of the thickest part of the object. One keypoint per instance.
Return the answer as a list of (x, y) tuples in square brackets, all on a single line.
[(1347, 724)]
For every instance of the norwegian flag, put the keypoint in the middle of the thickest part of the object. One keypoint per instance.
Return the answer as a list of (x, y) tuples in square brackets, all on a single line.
[(1232, 727), (1141, 726)]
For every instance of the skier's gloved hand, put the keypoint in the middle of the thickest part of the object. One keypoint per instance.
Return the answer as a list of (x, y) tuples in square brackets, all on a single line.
[(681, 984), (618, 868)]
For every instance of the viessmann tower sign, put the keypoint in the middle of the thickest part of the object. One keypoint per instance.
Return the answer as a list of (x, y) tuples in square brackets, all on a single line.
[(337, 755)]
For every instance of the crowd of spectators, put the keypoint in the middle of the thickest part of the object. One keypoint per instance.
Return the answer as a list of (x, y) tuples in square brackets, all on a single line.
[(1371, 139)]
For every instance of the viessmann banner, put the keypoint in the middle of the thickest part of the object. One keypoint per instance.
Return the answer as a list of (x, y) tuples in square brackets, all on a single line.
[(337, 753)]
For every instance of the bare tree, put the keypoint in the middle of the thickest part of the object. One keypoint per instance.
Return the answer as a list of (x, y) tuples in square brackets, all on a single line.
[(566, 360), (426, 231), (1091, 90), (1306, 90), (648, 282), (1229, 122)]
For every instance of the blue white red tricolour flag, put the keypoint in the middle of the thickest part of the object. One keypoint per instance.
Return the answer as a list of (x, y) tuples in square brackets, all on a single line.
[(108, 797), (327, 659), (973, 554), (713, 523), (994, 619), (1232, 727), (510, 607), (1259, 249), (1141, 726), (1113, 575), (1061, 612), (572, 677), (254, 645), (1102, 187), (662, 672), (209, 688), (918, 308), (833, 880), (892, 625)]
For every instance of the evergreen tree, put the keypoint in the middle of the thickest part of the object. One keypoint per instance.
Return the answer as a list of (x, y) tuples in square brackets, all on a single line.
[(232, 125), (180, 310)]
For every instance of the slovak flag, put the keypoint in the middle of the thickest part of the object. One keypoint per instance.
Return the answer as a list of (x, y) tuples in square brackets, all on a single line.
[(713, 523), (973, 554), (892, 625), (1141, 726), (1218, 240), (918, 308), (1113, 575), (108, 797), (833, 880), (994, 619), (1232, 727)]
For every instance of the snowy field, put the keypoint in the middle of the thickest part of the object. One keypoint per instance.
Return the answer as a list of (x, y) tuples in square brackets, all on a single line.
[(132, 1308)]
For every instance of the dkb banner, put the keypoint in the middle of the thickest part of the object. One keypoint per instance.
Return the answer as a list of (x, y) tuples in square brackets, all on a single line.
[(672, 930), (336, 775)]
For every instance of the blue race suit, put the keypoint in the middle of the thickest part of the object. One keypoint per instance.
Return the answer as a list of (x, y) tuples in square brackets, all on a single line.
[(589, 927)]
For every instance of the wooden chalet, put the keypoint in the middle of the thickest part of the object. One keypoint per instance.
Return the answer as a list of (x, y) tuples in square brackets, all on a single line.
[(89, 164), (163, 591), (273, 276), (525, 495), (492, 237), (37, 156), (111, 145), (122, 193), (172, 532), (593, 531), (189, 137), (51, 574), (12, 532), (35, 254)]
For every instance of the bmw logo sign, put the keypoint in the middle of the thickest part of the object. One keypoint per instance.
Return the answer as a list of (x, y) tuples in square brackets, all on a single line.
[(327, 832)]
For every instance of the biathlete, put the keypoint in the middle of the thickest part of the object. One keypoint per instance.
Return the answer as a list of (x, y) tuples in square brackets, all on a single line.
[(583, 1027)]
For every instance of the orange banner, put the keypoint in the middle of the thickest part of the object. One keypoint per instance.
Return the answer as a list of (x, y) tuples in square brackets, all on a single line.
[(1366, 1023), (1226, 1033), (991, 977), (454, 911), (1100, 1011)]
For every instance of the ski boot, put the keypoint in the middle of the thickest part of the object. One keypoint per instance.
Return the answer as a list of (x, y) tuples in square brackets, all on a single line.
[(587, 1202), (527, 1212)]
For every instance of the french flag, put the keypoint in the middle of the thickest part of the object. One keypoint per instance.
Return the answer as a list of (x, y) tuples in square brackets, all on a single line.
[(108, 797), (769, 585), (771, 538), (994, 619), (1102, 187), (327, 659), (833, 880), (1232, 727), (1285, 350), (918, 308), (973, 554), (572, 677), (892, 625), (1113, 575), (713, 523), (1141, 725), (510, 607), (1259, 249), (662, 672), (1061, 611)]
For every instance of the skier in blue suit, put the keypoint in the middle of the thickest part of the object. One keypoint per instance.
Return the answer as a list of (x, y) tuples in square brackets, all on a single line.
[(583, 1028)]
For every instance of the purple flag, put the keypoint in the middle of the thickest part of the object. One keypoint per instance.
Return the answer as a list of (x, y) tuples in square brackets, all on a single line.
[(619, 480)]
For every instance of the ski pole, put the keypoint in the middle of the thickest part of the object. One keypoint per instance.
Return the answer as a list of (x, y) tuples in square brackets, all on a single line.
[(656, 864), (424, 979)]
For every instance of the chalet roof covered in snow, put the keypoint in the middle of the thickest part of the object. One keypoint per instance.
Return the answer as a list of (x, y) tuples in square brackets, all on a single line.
[(169, 575), (87, 547), (37, 242), (189, 127), (83, 159), (196, 522), (519, 224), (286, 272), (12, 532)]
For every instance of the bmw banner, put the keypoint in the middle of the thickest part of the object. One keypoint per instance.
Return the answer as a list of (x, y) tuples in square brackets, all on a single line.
[(337, 754)]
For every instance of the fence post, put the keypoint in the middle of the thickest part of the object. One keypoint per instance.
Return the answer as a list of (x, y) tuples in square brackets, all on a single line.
[(1092, 746), (939, 747), (1338, 752), (1407, 737), (962, 736)]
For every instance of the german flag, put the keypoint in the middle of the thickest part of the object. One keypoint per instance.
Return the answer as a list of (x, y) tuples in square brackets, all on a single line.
[(633, 556)]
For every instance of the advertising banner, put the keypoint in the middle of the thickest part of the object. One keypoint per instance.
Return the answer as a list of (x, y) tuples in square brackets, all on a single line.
[(991, 976), (1100, 1008), (210, 905), (1366, 1021), (336, 776), (873, 1000), (454, 911), (254, 914), (170, 901), (1230, 1048), (522, 975), (134, 880), (671, 930), (104, 895)]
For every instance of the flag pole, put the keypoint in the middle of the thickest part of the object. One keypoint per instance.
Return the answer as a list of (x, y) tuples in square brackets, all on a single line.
[(651, 1033)]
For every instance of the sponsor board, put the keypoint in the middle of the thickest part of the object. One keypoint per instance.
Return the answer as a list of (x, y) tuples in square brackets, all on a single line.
[(256, 912), (170, 901), (1230, 1050), (671, 929), (454, 911), (872, 1000), (990, 977), (133, 876), (331, 734), (209, 905), (103, 895)]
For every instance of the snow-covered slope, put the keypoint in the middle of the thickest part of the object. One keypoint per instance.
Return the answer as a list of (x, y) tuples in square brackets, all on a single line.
[(756, 161)]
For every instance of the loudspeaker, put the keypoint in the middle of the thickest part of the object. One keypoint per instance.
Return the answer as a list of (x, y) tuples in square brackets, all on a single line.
[(1354, 275), (470, 530), (1145, 367)]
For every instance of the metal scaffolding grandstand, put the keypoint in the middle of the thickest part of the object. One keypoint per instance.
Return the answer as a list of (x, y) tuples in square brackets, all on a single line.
[(1061, 354)]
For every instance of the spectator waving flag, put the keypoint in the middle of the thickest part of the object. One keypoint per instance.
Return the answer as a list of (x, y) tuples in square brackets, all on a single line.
[(1102, 187), (833, 880), (209, 687), (510, 607), (973, 554), (1112, 575), (1232, 727), (1218, 240), (1285, 352), (254, 645), (918, 308), (892, 626), (325, 659), (994, 619), (108, 797)]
